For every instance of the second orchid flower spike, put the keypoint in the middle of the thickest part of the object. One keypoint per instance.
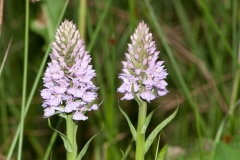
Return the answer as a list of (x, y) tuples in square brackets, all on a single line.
[(141, 70)]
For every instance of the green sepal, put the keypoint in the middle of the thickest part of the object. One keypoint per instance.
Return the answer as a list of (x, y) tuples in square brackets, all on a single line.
[(83, 151), (132, 129), (162, 153), (66, 142), (154, 133), (146, 123)]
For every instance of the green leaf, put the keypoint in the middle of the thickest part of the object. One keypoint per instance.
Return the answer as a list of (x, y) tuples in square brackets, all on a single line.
[(132, 129), (154, 133), (67, 143), (157, 147), (225, 152), (220, 131), (146, 123), (162, 153), (83, 151)]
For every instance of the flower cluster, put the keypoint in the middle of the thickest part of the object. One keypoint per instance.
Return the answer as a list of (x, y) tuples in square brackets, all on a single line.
[(67, 80), (142, 74)]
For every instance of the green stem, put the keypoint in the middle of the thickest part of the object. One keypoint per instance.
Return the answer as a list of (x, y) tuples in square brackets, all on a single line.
[(141, 137), (71, 135), (20, 144), (82, 18)]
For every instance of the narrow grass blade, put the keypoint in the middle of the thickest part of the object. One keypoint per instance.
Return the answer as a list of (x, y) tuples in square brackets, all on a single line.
[(83, 151), (132, 12), (157, 147), (24, 83), (132, 129), (154, 133), (67, 143), (123, 158), (162, 153), (82, 5), (212, 22)]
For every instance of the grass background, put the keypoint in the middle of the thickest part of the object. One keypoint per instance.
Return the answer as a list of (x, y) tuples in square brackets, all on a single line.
[(198, 40)]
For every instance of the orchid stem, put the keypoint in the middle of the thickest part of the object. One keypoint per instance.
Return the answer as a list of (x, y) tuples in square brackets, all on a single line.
[(71, 135), (140, 142)]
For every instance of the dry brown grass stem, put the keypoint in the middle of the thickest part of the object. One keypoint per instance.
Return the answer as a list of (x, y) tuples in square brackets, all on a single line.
[(1, 15)]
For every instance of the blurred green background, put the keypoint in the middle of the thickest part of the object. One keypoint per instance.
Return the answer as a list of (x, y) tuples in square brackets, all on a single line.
[(199, 42)]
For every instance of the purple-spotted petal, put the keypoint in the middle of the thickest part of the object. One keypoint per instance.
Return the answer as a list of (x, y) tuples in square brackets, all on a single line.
[(49, 112), (149, 82), (46, 93), (60, 89), (89, 96), (128, 96), (161, 84), (79, 116), (122, 88), (72, 106), (58, 75), (162, 92), (94, 107), (55, 100), (148, 96)]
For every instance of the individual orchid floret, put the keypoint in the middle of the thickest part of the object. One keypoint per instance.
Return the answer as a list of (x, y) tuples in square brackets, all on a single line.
[(67, 80), (143, 75)]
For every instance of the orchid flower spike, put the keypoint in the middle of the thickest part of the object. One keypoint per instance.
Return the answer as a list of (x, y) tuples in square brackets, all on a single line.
[(67, 80), (142, 74)]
